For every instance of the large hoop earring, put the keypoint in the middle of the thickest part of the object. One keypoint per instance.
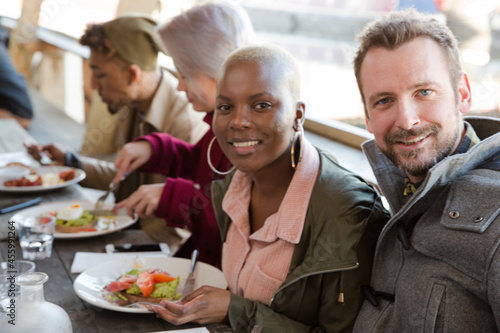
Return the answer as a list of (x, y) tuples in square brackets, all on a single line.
[(300, 134), (210, 162)]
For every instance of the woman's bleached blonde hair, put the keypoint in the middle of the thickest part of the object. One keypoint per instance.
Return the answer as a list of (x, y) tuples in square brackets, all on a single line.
[(397, 28), (201, 38), (281, 60)]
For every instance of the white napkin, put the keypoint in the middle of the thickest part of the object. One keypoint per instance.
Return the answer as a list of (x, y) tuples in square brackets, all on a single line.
[(85, 260), (187, 330)]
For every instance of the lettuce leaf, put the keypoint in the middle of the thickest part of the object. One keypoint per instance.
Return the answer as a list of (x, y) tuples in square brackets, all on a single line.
[(85, 219), (135, 272), (166, 289), (134, 290)]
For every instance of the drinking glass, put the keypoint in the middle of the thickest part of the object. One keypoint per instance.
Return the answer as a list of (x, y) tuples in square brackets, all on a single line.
[(9, 271), (34, 314), (36, 235)]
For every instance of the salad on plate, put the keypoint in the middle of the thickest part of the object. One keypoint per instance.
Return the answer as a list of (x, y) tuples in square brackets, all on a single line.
[(142, 285), (75, 218)]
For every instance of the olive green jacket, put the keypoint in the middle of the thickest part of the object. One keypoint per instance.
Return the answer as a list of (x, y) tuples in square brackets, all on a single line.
[(321, 292)]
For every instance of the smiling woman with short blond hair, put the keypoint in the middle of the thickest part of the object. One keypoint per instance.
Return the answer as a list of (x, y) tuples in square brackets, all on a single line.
[(298, 229)]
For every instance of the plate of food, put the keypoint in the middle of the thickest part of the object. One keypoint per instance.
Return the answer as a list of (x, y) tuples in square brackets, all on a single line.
[(38, 179), (76, 219), (115, 284)]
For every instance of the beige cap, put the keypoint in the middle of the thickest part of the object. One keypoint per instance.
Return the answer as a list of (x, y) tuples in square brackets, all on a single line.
[(135, 40)]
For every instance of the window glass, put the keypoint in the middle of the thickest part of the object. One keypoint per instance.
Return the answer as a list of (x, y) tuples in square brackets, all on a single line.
[(171, 8), (72, 16), (11, 8)]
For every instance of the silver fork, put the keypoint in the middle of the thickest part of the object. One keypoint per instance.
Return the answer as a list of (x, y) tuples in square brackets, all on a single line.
[(100, 202), (45, 159)]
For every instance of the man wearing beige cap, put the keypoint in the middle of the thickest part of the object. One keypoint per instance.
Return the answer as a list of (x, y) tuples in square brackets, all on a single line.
[(144, 99)]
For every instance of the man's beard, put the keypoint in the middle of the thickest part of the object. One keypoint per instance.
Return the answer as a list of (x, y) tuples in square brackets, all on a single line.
[(412, 162)]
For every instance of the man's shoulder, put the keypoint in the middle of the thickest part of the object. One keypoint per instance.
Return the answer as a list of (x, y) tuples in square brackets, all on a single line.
[(167, 94), (472, 200), (459, 222), (492, 163)]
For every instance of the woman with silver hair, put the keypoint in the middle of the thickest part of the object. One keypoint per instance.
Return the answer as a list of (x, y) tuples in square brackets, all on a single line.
[(198, 40)]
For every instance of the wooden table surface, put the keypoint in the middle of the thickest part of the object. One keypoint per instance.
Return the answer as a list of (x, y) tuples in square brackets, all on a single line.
[(59, 288)]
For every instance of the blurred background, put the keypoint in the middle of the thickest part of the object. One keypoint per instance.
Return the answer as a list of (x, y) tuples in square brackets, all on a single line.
[(320, 33)]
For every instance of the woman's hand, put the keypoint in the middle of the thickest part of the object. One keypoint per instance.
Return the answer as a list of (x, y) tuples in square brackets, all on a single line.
[(205, 305), (144, 201), (53, 151), (131, 157)]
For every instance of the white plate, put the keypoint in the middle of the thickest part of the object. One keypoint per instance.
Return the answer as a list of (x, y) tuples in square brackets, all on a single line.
[(122, 221), (79, 176), (89, 284), (18, 157), (13, 172)]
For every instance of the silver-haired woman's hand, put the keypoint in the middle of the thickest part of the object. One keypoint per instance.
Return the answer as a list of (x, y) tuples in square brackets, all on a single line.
[(144, 201), (132, 156)]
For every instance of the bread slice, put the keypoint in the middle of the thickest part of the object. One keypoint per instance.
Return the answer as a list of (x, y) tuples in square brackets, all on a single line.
[(137, 298), (73, 229)]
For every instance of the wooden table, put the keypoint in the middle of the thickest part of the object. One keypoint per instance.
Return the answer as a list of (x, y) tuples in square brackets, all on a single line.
[(59, 288)]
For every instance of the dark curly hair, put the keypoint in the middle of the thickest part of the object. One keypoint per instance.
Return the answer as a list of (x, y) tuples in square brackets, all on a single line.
[(95, 38)]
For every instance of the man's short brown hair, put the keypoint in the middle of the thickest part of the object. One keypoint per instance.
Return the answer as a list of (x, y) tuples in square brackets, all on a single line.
[(397, 28)]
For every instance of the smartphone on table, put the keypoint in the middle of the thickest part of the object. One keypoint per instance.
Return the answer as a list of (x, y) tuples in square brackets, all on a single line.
[(157, 247)]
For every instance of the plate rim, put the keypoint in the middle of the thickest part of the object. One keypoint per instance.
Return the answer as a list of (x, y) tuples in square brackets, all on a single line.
[(113, 307), (76, 235), (26, 189)]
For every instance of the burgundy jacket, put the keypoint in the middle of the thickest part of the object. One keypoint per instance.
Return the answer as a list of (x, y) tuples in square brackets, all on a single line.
[(186, 200)]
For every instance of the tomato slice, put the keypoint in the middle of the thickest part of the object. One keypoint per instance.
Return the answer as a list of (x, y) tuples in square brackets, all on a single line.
[(128, 278), (45, 219), (145, 282), (117, 286), (162, 277)]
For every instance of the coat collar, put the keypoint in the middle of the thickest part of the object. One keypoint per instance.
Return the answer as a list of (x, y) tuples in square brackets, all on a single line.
[(391, 180)]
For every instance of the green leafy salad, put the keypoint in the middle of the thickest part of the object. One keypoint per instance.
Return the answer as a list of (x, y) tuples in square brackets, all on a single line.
[(85, 219), (147, 283)]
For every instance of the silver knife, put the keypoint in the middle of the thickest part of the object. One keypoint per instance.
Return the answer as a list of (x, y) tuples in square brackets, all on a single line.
[(188, 287)]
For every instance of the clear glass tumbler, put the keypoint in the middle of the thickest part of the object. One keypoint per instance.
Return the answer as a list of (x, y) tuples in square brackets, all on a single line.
[(36, 235), (9, 290)]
